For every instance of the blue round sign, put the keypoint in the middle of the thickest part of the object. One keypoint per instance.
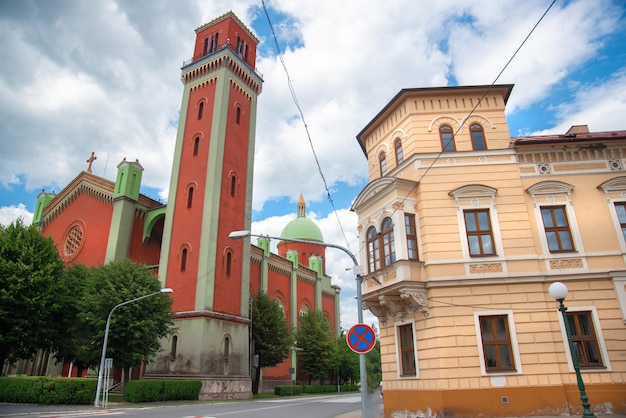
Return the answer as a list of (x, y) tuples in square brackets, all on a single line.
[(361, 338)]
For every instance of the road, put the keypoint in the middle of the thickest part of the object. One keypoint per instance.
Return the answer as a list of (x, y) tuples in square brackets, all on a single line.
[(324, 406)]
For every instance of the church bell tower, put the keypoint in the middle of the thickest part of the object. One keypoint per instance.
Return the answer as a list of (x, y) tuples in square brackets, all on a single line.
[(210, 196)]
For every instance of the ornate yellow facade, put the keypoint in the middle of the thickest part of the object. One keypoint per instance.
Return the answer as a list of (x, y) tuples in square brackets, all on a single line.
[(462, 231)]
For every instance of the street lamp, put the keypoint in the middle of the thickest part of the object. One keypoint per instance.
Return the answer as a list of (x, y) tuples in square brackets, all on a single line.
[(359, 301), (106, 337), (558, 291)]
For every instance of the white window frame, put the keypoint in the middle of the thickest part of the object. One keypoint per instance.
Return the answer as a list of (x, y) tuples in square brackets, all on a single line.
[(472, 198), (555, 193), (599, 337), (398, 351), (514, 344), (615, 192)]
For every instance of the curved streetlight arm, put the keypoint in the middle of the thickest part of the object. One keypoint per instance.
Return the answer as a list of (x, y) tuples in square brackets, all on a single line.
[(359, 298), (106, 337)]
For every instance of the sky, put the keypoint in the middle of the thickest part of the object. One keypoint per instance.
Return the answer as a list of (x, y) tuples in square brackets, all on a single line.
[(102, 75)]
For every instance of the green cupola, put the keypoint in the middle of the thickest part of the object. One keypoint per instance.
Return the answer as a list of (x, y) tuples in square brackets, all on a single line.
[(301, 227)]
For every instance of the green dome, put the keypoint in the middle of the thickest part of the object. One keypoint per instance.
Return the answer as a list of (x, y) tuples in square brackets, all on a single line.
[(301, 227)]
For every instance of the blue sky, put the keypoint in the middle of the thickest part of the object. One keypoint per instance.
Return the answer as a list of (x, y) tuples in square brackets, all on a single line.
[(103, 75)]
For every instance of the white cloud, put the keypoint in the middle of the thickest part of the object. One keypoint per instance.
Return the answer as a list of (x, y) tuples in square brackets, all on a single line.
[(9, 214), (104, 76)]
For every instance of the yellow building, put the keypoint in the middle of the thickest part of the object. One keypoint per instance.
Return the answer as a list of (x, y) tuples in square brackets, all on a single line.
[(463, 229)]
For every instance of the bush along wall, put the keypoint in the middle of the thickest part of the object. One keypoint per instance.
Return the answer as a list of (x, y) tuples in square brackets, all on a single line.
[(162, 390), (48, 391), (299, 389)]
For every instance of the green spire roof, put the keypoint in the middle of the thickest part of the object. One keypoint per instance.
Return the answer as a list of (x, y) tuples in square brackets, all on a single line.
[(301, 227)]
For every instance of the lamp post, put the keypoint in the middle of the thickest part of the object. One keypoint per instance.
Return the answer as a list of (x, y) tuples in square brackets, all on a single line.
[(558, 291), (359, 301), (106, 337)]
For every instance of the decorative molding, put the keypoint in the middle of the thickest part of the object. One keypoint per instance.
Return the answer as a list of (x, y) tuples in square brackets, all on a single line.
[(394, 305), (378, 310), (485, 268), (572, 263), (418, 301)]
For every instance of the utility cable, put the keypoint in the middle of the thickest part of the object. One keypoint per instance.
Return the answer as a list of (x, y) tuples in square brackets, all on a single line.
[(306, 128)]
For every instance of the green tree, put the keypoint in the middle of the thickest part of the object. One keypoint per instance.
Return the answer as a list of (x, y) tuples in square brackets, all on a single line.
[(33, 296), (345, 362), (78, 347), (373, 368), (317, 343), (135, 329), (271, 335)]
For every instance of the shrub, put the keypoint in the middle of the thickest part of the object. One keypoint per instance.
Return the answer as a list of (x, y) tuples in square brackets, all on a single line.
[(162, 390), (288, 390), (48, 391)]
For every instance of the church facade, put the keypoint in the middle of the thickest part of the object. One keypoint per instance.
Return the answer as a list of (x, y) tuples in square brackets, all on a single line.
[(186, 241)]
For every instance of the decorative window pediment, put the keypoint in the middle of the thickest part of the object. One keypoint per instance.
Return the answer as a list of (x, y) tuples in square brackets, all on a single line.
[(550, 187)]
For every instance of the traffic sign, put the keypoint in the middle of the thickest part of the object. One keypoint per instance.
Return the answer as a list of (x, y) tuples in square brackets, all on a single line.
[(361, 338)]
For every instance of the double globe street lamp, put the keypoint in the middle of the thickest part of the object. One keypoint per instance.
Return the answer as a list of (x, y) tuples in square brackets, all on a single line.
[(558, 291), (359, 301), (106, 337)]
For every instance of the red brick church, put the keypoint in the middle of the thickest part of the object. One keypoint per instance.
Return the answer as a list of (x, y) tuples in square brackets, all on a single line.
[(94, 221)]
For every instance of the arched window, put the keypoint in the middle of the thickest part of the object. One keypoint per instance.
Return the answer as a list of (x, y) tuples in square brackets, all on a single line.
[(174, 347), (373, 250), (447, 138), (387, 242), (233, 185), (238, 115), (229, 262), (478, 137), (226, 347), (190, 197), (214, 42), (200, 110), (196, 145), (183, 260), (206, 46), (383, 163), (398, 147)]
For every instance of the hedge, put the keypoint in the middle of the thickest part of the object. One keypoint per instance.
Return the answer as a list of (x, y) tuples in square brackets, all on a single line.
[(299, 389), (162, 390), (47, 390)]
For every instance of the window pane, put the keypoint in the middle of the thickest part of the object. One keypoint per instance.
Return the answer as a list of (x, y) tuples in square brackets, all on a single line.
[(500, 328), (553, 244), (559, 214), (566, 240), (621, 212), (483, 221), (585, 325), (505, 356), (487, 244), (592, 352), (546, 214), (490, 356), (470, 221), (474, 245), (485, 326)]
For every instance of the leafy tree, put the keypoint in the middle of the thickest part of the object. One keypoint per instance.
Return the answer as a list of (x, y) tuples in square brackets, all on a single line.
[(77, 348), (33, 297), (135, 329), (345, 362), (271, 335), (317, 343), (373, 368)]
